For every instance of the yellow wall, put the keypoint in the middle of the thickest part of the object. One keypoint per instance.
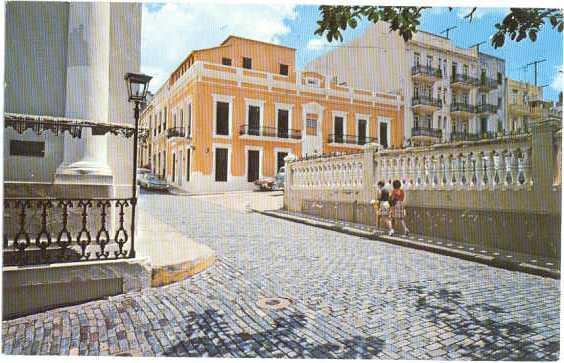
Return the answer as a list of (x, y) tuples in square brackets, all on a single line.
[(266, 58)]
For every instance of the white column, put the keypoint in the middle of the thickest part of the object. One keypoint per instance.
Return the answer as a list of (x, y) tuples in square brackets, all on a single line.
[(87, 92)]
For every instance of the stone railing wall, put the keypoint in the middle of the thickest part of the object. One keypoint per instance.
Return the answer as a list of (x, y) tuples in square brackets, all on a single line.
[(504, 191)]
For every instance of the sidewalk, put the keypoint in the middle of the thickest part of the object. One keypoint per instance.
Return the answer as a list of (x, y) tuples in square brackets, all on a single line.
[(547, 267), (172, 255)]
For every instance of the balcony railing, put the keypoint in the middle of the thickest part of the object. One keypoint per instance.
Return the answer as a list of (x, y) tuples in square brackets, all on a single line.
[(487, 83), (427, 101), (51, 230), (486, 108), (350, 139), (175, 132), (464, 79), (462, 107), (464, 136), (426, 131), (270, 132), (426, 70)]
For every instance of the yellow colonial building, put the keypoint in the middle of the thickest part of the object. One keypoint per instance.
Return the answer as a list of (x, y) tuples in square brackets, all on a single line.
[(229, 115), (524, 104)]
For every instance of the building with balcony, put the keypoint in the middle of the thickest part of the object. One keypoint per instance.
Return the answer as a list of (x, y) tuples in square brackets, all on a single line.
[(230, 114), (525, 105), (431, 74)]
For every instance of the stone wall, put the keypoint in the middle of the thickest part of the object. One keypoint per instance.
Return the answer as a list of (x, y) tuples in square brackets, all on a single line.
[(503, 193)]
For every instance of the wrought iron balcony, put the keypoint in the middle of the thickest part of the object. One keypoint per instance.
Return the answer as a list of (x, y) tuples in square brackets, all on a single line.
[(426, 71), (486, 108), (350, 139), (270, 132), (462, 107), (426, 101), (175, 132), (464, 136), (51, 230), (487, 84), (463, 80), (426, 131)]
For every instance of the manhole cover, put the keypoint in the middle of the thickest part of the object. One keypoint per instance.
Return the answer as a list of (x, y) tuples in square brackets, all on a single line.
[(275, 303)]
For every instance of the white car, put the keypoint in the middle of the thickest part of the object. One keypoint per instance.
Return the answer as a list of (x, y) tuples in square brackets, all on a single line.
[(141, 172)]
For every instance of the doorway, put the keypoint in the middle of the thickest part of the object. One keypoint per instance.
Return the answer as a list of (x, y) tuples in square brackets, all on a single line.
[(221, 164), (383, 132), (253, 165)]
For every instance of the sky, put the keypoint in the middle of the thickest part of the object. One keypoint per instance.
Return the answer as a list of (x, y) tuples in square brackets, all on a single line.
[(171, 30)]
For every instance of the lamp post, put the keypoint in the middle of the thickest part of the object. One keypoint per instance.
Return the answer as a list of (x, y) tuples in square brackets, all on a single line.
[(137, 86)]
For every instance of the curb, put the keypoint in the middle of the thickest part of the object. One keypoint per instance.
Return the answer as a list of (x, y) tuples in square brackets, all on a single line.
[(497, 262)]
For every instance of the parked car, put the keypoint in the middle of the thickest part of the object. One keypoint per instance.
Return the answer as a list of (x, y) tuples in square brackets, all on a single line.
[(152, 182), (141, 173), (265, 183), (280, 178)]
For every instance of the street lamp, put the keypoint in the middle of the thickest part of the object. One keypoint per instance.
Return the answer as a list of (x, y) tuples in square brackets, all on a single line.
[(137, 86)]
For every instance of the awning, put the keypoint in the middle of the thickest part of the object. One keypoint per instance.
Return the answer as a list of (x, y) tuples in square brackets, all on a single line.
[(58, 125)]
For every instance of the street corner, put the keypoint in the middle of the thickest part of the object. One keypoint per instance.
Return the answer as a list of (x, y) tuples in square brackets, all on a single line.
[(168, 274)]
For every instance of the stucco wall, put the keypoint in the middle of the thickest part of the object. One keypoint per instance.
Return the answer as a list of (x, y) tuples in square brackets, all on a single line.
[(35, 81)]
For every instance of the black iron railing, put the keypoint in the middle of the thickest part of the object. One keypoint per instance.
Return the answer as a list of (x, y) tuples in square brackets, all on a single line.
[(464, 136), (462, 107), (426, 70), (485, 108), (270, 132), (464, 79), (175, 132), (487, 83), (54, 230), (350, 139), (426, 131), (428, 101)]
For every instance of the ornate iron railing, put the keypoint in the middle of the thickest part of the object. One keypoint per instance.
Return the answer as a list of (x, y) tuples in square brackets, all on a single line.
[(55, 230), (486, 108), (428, 101), (487, 83), (462, 107), (426, 131), (350, 139), (426, 70), (464, 79), (270, 132), (464, 136)]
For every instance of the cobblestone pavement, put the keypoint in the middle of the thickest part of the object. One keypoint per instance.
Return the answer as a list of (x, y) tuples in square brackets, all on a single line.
[(350, 298)]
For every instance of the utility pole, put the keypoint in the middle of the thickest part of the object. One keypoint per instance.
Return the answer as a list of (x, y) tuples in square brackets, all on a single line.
[(447, 30), (535, 63)]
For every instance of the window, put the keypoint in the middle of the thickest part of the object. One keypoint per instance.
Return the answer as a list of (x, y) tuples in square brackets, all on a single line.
[(416, 59), (313, 82), (222, 118), (247, 63), (311, 126), (429, 61), (187, 164), (160, 121), (254, 120), (189, 120), (284, 69), (465, 70), (27, 148), (226, 61), (499, 78)]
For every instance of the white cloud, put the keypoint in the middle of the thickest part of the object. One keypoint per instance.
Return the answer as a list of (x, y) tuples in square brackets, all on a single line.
[(558, 80), (170, 32), (317, 43)]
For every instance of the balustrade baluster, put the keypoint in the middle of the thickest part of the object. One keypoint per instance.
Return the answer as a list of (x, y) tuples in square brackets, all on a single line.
[(514, 168), (502, 173), (479, 170)]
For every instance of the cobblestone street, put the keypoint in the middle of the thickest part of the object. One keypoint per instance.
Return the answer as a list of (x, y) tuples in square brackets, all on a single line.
[(350, 297)]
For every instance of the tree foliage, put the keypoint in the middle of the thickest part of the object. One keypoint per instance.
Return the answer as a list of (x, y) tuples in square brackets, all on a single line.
[(518, 24)]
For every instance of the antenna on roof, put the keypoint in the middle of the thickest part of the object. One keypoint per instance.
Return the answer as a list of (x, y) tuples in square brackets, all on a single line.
[(477, 45), (447, 30)]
